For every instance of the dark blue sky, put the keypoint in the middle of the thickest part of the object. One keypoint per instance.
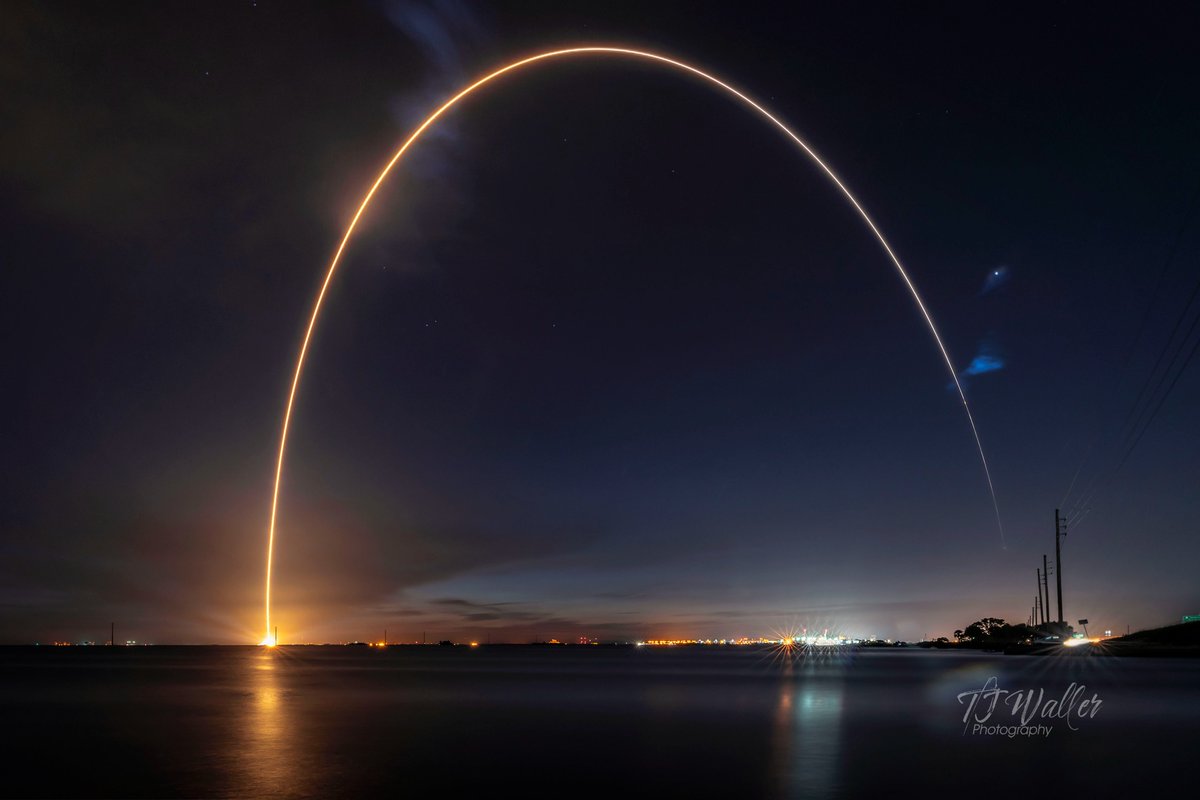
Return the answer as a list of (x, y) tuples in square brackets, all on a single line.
[(609, 356)]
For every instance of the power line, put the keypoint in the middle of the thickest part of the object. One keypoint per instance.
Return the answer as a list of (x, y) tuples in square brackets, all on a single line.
[(1077, 521), (1141, 417), (1163, 399), (1183, 315), (1176, 242)]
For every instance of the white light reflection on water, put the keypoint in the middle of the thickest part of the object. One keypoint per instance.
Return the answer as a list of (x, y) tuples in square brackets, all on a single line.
[(808, 723)]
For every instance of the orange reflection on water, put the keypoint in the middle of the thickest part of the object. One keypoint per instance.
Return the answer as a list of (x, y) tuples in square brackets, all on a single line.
[(266, 752)]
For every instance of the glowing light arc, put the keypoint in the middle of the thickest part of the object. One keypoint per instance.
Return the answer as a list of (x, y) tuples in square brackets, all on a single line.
[(579, 51)]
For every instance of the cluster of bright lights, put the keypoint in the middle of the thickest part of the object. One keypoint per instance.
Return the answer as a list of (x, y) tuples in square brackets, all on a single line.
[(382, 645), (89, 643), (1076, 641), (678, 642), (822, 640)]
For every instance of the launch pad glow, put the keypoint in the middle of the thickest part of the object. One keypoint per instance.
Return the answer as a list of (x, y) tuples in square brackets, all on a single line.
[(549, 56)]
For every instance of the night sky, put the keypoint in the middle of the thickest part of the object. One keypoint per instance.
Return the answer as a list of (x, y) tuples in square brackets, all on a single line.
[(609, 357)]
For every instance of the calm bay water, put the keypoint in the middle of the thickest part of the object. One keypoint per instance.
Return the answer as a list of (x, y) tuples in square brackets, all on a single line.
[(570, 722)]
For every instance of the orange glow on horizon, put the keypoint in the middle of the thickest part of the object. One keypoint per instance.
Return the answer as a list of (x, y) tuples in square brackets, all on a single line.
[(584, 51)]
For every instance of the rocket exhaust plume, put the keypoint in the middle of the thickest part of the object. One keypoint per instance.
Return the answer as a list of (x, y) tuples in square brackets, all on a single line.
[(550, 56)]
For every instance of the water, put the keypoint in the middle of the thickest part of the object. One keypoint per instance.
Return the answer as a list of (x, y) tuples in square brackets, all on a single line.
[(572, 722)]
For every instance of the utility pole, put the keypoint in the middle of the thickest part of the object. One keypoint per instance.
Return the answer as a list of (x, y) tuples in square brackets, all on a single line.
[(1046, 585), (1060, 530), (1042, 616)]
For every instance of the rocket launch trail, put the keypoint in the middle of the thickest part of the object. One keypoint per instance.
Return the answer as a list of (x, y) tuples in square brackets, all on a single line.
[(550, 57)]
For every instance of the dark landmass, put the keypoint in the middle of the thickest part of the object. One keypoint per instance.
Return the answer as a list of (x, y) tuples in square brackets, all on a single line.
[(1187, 633), (1172, 640)]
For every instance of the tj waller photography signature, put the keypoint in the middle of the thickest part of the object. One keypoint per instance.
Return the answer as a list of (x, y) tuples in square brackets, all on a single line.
[(1030, 714)]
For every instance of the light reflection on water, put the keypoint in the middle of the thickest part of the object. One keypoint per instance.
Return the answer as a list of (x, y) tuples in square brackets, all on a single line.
[(807, 740), (566, 722), (266, 755)]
